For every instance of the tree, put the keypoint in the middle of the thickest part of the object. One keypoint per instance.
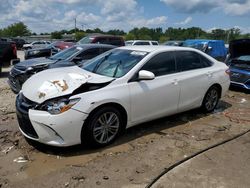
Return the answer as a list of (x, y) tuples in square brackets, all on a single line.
[(79, 35), (56, 35), (16, 29), (130, 36)]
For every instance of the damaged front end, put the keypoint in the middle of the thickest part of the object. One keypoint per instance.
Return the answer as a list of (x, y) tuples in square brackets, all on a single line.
[(46, 104)]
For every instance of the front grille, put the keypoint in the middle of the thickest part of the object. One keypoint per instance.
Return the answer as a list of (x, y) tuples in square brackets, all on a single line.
[(239, 77), (15, 71), (22, 108), (14, 84)]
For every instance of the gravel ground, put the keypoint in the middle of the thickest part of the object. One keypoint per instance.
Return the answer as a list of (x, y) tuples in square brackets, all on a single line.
[(132, 161)]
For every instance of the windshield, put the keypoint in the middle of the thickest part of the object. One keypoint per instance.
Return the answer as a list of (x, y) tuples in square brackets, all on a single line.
[(115, 63), (242, 60), (128, 43), (66, 54), (85, 40)]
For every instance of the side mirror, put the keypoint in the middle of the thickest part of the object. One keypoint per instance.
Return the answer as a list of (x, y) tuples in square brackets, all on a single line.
[(145, 75)]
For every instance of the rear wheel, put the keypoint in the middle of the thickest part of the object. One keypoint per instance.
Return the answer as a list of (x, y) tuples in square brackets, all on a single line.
[(211, 99), (102, 127)]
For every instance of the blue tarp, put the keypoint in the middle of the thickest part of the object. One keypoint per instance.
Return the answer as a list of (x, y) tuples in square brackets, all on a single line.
[(218, 46)]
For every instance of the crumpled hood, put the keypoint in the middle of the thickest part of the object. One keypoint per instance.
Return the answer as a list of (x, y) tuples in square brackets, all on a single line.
[(34, 62), (239, 48), (58, 82)]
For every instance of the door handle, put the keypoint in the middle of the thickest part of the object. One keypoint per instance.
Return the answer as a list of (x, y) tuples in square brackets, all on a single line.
[(175, 82)]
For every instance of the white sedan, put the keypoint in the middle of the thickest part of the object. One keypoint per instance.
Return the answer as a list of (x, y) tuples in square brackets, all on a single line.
[(116, 90)]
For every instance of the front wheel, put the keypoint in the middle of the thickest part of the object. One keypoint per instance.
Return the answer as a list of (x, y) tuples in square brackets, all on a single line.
[(102, 127), (211, 99)]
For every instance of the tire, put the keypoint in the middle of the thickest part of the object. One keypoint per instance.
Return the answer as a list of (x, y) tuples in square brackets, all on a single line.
[(102, 127), (211, 99)]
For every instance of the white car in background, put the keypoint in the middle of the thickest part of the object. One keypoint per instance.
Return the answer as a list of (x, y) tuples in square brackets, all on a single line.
[(116, 90), (36, 44), (141, 42)]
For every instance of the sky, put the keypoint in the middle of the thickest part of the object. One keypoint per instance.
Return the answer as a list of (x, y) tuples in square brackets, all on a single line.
[(50, 15)]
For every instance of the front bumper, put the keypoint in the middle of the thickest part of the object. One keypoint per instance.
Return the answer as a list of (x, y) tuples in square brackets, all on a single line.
[(240, 79), (56, 130), (241, 85), (16, 79)]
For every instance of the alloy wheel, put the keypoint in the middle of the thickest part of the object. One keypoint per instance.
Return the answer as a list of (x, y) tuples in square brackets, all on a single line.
[(106, 127)]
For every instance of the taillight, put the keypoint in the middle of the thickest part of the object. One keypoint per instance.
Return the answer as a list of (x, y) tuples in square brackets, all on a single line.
[(228, 72), (13, 46)]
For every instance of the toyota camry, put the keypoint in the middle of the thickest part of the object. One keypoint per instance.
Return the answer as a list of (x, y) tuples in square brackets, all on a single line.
[(116, 90)]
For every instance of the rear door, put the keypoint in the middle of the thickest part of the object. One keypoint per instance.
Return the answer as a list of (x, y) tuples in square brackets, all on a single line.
[(194, 77), (155, 98)]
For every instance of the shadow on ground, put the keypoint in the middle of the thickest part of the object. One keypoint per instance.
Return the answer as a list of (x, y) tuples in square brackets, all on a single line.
[(156, 126), (239, 89), (4, 74)]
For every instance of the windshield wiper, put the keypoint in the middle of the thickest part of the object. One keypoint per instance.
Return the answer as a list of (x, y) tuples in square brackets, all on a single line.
[(116, 69), (99, 64)]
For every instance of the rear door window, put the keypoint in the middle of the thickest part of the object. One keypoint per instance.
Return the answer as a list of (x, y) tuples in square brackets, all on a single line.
[(101, 40), (115, 41), (141, 43), (188, 60), (89, 54)]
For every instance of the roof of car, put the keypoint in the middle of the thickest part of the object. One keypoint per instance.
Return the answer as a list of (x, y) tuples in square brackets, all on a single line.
[(103, 35), (141, 41), (151, 48), (93, 45)]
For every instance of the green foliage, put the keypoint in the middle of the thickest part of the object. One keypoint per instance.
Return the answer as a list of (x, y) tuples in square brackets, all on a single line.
[(14, 30), (56, 35), (116, 32), (163, 39), (130, 36), (20, 29), (79, 35)]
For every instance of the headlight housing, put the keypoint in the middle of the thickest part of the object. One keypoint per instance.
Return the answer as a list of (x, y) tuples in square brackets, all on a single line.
[(58, 106), (33, 52)]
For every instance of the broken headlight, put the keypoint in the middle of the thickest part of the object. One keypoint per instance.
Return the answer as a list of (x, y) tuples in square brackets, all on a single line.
[(58, 106)]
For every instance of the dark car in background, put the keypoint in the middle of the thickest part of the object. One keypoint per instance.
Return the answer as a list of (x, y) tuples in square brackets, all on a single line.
[(103, 39), (47, 51), (19, 42), (238, 61), (8, 52), (75, 55)]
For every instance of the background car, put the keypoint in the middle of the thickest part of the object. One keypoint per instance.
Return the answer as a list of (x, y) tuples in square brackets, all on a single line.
[(8, 52), (116, 90), (238, 60), (141, 42), (103, 39), (36, 44), (19, 42), (47, 51), (75, 55), (63, 44), (173, 43), (214, 48)]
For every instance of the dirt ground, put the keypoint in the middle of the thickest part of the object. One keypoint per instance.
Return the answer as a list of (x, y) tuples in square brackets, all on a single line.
[(132, 161)]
